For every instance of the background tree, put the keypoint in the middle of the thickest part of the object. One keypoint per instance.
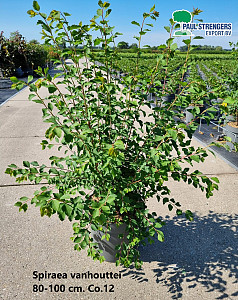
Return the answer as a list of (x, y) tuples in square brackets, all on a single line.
[(15, 35), (218, 48), (34, 41), (123, 45), (133, 46)]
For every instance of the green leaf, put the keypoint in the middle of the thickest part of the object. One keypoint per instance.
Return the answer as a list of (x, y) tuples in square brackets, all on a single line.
[(167, 28), (36, 6), (30, 78), (156, 14), (53, 171), (50, 106), (187, 42), (170, 207), (169, 41), (52, 89), (58, 132), (146, 15), (83, 244), (112, 152), (105, 209), (108, 12), (43, 197), (34, 163), (96, 204), (99, 12), (68, 138), (44, 16), (55, 204), (142, 32), (119, 145), (18, 204), (172, 133), (45, 27), (173, 47), (96, 213), (189, 215), (97, 42), (105, 4), (31, 96), (111, 198), (215, 179), (135, 23), (12, 166), (24, 198), (198, 37), (68, 209), (14, 79), (179, 212), (65, 196), (101, 259), (117, 262), (152, 8), (26, 164), (24, 207), (195, 158), (102, 219), (94, 227), (78, 239), (32, 13), (160, 236)]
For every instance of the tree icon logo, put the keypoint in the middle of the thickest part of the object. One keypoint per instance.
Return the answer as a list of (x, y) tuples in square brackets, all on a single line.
[(182, 16)]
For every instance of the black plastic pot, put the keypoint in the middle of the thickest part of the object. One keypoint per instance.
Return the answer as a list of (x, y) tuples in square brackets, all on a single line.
[(108, 247), (231, 132), (19, 73), (168, 98), (190, 116), (28, 72)]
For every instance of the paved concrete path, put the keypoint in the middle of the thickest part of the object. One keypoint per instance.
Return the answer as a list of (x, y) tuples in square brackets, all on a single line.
[(198, 260)]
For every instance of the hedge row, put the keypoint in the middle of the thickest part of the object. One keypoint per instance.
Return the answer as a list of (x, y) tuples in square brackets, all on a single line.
[(17, 53)]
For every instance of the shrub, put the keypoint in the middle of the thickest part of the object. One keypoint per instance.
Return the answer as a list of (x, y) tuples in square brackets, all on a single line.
[(116, 156), (16, 53)]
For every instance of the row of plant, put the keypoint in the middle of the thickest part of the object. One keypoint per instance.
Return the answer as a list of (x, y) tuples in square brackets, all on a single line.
[(199, 71), (225, 83), (210, 68), (213, 81), (17, 57), (127, 61), (208, 56), (220, 67)]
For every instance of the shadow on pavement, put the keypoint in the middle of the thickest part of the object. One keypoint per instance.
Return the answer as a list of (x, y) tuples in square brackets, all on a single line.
[(203, 252)]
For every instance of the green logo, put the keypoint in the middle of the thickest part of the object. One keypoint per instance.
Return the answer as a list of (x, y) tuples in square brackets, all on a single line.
[(182, 16)]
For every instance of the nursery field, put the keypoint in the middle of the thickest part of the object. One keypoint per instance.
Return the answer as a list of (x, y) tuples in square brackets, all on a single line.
[(215, 74), (212, 70), (219, 64)]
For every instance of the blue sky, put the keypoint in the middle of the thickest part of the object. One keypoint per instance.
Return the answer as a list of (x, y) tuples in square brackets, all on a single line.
[(13, 17)]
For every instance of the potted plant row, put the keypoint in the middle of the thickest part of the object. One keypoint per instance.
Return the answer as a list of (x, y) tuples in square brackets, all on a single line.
[(230, 104)]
